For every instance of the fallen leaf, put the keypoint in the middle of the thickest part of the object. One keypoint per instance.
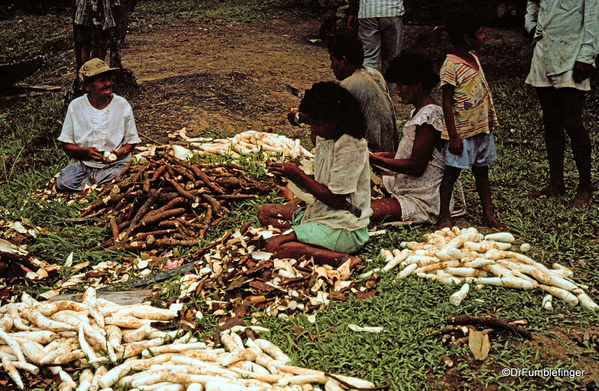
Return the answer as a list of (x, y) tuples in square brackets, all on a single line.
[(367, 329), (365, 295), (69, 261), (479, 344), (81, 265)]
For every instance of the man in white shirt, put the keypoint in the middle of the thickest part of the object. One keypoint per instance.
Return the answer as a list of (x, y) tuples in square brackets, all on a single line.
[(98, 133)]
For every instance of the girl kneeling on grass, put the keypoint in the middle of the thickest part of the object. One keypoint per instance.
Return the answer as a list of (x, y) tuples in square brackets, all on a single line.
[(335, 225), (418, 163)]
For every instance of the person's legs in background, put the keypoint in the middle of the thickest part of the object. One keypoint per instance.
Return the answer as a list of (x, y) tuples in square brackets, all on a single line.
[(572, 103), (370, 36), (391, 30)]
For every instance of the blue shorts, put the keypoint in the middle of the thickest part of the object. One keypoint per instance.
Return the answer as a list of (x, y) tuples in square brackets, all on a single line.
[(478, 151), (335, 239)]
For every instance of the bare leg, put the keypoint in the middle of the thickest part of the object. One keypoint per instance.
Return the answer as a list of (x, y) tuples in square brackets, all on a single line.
[(82, 54), (573, 101), (287, 246), (555, 140), (387, 209), (483, 187), (446, 190), (279, 216)]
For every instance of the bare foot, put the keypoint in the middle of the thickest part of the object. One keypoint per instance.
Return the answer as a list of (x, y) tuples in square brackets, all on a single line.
[(444, 223), (553, 191), (491, 221), (581, 200)]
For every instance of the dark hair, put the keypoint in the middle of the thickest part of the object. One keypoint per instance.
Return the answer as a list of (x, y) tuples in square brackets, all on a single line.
[(329, 102), (347, 45), (460, 22), (411, 68)]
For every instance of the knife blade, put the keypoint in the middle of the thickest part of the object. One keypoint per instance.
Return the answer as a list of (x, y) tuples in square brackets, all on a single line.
[(296, 92)]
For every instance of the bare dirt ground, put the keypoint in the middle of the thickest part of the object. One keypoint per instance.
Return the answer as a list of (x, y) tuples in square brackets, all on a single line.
[(218, 80)]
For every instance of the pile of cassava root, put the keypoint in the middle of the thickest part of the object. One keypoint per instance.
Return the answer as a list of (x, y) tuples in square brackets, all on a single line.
[(245, 143), (464, 256), (125, 350), (169, 202)]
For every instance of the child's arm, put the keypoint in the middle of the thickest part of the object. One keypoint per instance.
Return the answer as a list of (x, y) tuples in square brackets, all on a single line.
[(318, 190), (455, 144), (422, 150)]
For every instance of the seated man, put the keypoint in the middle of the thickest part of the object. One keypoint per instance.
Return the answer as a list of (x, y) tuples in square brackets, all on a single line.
[(368, 86), (98, 133)]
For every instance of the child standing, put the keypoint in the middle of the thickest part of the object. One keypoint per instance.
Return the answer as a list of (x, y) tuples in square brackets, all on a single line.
[(469, 116), (336, 224)]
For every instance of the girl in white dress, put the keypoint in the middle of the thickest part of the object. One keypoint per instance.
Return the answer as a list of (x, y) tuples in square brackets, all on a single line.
[(418, 163)]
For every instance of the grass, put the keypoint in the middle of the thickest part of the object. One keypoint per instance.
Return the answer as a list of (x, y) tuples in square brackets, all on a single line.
[(157, 13), (406, 309)]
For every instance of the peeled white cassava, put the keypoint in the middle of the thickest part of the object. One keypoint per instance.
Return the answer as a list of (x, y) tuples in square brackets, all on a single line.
[(483, 260), (12, 372), (460, 295)]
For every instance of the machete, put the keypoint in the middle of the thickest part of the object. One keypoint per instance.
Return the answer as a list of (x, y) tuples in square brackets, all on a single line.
[(296, 92)]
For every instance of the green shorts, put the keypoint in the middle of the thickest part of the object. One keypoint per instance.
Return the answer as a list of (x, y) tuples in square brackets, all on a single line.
[(335, 239)]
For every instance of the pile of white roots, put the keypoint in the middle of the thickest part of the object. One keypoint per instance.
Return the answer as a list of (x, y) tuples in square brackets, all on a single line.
[(125, 351), (454, 256), (246, 143)]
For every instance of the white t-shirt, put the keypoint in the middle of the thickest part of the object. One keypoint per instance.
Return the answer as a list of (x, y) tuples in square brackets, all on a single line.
[(107, 129), (341, 165)]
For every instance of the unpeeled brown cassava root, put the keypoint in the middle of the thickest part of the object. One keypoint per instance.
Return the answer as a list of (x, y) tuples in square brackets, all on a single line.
[(143, 357), (460, 334), (170, 202), (463, 256)]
